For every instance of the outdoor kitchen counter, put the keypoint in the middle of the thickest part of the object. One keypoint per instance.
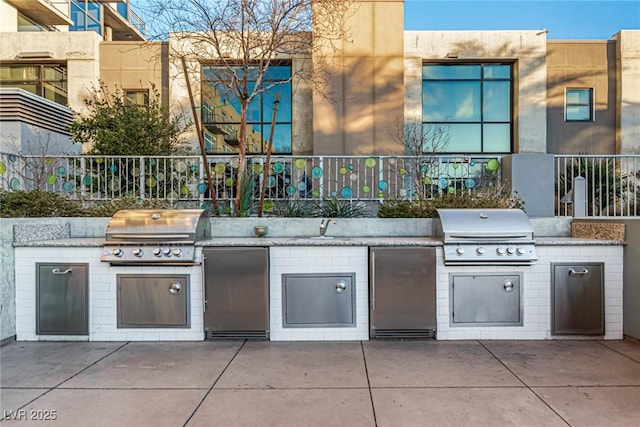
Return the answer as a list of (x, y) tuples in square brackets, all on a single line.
[(304, 241)]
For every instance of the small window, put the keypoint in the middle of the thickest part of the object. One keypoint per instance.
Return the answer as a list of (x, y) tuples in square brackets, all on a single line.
[(579, 105), (136, 96)]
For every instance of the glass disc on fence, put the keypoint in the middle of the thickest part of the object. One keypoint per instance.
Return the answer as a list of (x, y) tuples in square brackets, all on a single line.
[(267, 206), (469, 183), (353, 177), (3, 168), (370, 162), (300, 163), (51, 179), (383, 185), (402, 192), (291, 190), (391, 161), (114, 184), (219, 168), (160, 176), (451, 190), (229, 181), (366, 189), (316, 172), (87, 180), (343, 170), (48, 160), (271, 181), (403, 171), (14, 184), (13, 158), (69, 186), (346, 192), (61, 170), (493, 165), (113, 168), (202, 187), (135, 172), (443, 183), (151, 182), (257, 169), (315, 193), (180, 166), (278, 167), (184, 190)]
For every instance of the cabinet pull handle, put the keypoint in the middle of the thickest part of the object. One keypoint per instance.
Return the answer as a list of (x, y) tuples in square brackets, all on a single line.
[(57, 271), (572, 272), (373, 281)]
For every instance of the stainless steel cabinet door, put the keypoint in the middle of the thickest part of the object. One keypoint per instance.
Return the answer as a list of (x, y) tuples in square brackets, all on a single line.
[(153, 300), (402, 288), (236, 289), (577, 299), (486, 299), (62, 298)]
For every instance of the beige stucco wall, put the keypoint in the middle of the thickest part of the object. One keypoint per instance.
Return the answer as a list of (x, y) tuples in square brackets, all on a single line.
[(80, 51), (8, 17), (134, 65), (366, 87), (526, 48), (628, 90), (581, 64)]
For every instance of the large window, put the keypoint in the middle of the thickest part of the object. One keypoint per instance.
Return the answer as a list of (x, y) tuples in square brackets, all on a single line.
[(46, 80), (579, 105), (85, 15), (472, 101), (221, 111)]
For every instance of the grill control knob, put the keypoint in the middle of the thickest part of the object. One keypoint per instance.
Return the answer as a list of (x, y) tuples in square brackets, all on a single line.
[(480, 251), (177, 252), (117, 251), (521, 251), (500, 251), (511, 251), (460, 251), (157, 252), (167, 251), (137, 252)]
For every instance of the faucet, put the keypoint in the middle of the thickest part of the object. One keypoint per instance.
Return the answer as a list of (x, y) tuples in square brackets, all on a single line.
[(324, 226)]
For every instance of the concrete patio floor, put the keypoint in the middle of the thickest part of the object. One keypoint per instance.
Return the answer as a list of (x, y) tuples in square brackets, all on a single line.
[(372, 383)]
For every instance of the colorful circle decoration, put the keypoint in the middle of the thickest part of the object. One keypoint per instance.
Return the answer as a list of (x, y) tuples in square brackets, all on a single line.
[(14, 184), (61, 170), (51, 179), (267, 206), (472, 163), (180, 166), (493, 165), (87, 180), (68, 186), (114, 184), (271, 181), (469, 183), (194, 168), (370, 162), (403, 171), (392, 161), (151, 182), (257, 169), (343, 170), (278, 167), (113, 168), (135, 172), (48, 160), (218, 169), (451, 190), (3, 168), (366, 189), (184, 190), (402, 192), (346, 192), (291, 190), (13, 158), (229, 181), (383, 185), (152, 162), (353, 177), (300, 163), (443, 183), (316, 172), (315, 193), (202, 187), (160, 176)]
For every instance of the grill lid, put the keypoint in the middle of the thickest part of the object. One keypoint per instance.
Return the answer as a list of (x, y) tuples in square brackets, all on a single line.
[(483, 224), (486, 237), (153, 225)]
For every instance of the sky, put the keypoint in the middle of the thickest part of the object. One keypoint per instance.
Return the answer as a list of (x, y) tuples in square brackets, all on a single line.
[(564, 20)]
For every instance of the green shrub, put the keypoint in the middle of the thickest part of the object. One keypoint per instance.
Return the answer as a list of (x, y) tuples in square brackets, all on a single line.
[(37, 203), (334, 208), (484, 198)]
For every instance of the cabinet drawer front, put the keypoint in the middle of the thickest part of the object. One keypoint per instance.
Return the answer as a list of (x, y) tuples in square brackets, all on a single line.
[(62, 297), (486, 299)]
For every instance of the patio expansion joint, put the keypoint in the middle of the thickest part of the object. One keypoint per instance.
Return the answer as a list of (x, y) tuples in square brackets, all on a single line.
[(525, 384), (366, 371), (214, 384), (603, 344)]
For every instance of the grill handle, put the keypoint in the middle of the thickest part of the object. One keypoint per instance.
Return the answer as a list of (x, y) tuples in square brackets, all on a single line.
[(489, 236), (150, 236)]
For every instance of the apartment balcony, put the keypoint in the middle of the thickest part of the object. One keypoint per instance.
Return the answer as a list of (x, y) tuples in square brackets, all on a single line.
[(125, 24), (44, 12)]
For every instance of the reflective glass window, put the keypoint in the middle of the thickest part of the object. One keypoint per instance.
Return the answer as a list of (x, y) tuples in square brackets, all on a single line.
[(579, 105), (473, 102)]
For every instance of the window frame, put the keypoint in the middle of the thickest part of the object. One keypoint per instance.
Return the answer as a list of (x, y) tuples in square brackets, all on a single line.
[(482, 124), (41, 83), (590, 104), (127, 92)]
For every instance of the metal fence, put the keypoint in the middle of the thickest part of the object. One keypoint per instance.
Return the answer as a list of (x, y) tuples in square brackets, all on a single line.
[(611, 186), (354, 178)]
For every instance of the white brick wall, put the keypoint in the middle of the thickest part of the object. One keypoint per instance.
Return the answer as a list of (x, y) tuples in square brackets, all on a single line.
[(319, 259), (536, 286), (102, 297)]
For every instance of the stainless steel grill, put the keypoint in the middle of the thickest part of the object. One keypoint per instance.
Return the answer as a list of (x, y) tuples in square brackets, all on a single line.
[(156, 237), (486, 236)]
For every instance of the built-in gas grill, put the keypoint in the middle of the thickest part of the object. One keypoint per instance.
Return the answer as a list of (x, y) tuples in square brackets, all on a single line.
[(486, 237), (155, 237)]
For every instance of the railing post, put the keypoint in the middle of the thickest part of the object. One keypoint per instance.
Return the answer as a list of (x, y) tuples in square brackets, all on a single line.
[(579, 197), (142, 177)]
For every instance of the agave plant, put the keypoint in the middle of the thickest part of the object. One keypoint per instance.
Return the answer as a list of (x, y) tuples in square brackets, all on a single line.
[(334, 208)]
